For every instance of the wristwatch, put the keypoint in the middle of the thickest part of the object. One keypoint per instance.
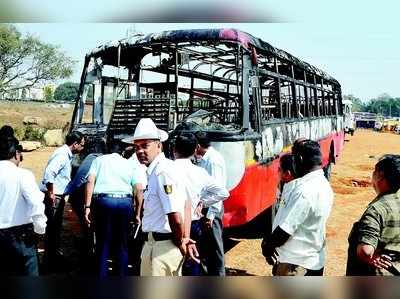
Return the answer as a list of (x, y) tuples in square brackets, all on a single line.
[(87, 207)]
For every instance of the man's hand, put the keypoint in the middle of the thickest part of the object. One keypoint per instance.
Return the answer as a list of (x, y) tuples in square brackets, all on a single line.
[(269, 252), (137, 220), (198, 209), (381, 261), (52, 198), (87, 217), (208, 223), (188, 248)]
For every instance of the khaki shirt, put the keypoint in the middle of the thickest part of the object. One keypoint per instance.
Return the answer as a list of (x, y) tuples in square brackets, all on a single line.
[(379, 227)]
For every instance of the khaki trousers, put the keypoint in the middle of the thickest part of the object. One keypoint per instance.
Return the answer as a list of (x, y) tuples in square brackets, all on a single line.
[(160, 258)]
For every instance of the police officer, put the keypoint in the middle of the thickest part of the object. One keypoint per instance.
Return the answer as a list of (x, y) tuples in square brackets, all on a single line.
[(165, 208), (21, 213)]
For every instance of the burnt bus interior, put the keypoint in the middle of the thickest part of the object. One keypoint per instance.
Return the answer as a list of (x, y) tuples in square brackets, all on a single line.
[(218, 86)]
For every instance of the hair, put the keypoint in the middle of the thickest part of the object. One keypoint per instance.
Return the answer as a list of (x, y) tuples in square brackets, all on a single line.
[(297, 143), (202, 139), (307, 155), (115, 146), (287, 163), (185, 144), (73, 137), (389, 165), (8, 148), (6, 131), (128, 152)]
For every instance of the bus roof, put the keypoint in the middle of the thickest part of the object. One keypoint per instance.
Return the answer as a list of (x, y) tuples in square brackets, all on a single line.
[(197, 35)]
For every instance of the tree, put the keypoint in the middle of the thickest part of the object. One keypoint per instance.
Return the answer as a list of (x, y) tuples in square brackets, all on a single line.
[(66, 92), (384, 104), (25, 61), (48, 93)]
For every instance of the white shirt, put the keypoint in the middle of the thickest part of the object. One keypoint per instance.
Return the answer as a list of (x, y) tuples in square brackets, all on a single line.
[(165, 194), (201, 186), (58, 170), (303, 213), (21, 201), (214, 164), (139, 169)]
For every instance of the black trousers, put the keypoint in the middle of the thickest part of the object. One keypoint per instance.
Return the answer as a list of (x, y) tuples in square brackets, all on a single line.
[(86, 244), (18, 254), (54, 213), (213, 242)]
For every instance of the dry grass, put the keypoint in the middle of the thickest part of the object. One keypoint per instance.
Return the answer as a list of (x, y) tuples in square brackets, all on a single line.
[(54, 116)]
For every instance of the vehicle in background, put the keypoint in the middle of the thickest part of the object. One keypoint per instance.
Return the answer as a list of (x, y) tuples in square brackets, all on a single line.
[(252, 99), (349, 120), (378, 125)]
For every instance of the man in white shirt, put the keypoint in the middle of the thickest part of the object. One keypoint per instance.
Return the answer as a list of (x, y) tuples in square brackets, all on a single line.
[(164, 214), (213, 162), (56, 178), (21, 213), (298, 242), (203, 189)]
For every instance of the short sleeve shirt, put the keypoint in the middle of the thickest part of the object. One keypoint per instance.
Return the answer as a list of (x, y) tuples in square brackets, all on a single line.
[(304, 217), (164, 194), (113, 175)]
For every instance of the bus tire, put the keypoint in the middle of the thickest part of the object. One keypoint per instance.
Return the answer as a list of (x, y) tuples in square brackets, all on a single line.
[(328, 168)]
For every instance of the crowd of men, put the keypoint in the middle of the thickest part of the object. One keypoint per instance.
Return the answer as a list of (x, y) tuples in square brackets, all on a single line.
[(173, 209)]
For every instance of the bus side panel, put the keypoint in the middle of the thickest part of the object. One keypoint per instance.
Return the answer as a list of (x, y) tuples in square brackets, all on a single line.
[(255, 192)]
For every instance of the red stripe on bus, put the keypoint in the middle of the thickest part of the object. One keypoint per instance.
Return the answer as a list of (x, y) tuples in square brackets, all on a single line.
[(257, 189)]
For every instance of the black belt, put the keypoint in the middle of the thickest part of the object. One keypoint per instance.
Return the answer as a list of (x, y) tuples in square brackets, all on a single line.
[(113, 195), (158, 236), (18, 230)]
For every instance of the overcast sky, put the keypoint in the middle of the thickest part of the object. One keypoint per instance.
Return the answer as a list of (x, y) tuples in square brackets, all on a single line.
[(357, 42)]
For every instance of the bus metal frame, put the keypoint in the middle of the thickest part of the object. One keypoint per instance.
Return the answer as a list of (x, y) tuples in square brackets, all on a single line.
[(253, 102)]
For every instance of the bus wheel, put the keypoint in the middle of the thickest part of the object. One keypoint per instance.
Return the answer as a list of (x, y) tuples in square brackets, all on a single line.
[(328, 168)]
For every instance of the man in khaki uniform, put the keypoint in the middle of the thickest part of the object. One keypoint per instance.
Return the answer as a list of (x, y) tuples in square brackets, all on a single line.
[(167, 241), (374, 242)]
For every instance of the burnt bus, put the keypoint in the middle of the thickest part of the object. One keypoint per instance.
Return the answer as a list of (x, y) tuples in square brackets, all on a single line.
[(251, 98)]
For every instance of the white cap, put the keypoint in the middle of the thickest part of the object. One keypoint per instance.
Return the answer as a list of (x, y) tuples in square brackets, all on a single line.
[(146, 129)]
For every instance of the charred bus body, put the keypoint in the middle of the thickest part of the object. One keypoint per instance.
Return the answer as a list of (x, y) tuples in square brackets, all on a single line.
[(252, 99)]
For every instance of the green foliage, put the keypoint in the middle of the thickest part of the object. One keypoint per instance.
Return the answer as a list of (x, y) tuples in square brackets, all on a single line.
[(384, 104), (26, 61), (66, 92), (33, 133), (48, 93)]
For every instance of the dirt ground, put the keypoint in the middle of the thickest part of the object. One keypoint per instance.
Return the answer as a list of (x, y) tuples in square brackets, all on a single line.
[(350, 182)]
